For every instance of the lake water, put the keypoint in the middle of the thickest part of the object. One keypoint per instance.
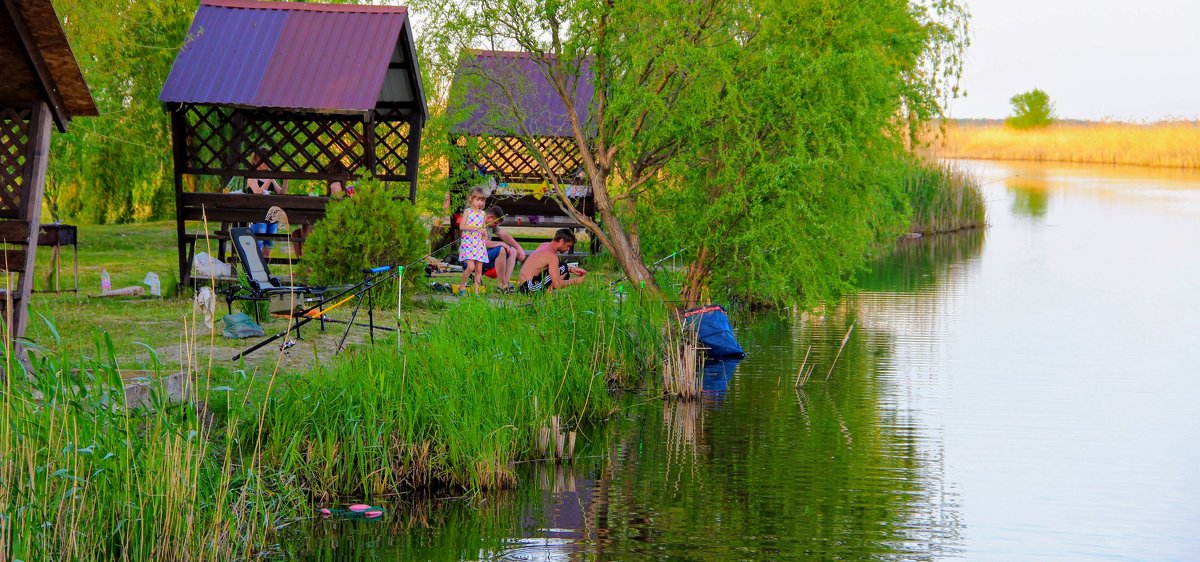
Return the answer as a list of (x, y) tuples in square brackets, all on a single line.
[(1025, 392)]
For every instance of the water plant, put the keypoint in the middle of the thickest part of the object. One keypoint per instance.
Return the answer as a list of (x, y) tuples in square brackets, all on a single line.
[(1168, 144), (943, 198)]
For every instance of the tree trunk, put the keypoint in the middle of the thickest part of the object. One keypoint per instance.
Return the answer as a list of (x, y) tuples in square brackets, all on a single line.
[(696, 282), (618, 241)]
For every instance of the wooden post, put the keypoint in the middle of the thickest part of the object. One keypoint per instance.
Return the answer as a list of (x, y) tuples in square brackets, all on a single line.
[(179, 156), (415, 124), (37, 153)]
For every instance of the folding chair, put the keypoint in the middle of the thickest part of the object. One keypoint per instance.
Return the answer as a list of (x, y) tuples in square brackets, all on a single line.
[(263, 287)]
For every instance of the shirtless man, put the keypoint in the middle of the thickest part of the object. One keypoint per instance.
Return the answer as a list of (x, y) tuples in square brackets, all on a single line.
[(541, 269)]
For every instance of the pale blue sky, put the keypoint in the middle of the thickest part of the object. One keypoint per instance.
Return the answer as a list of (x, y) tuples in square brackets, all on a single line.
[(1131, 60)]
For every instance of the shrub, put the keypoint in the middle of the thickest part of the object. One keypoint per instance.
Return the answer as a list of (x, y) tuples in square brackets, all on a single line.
[(367, 230)]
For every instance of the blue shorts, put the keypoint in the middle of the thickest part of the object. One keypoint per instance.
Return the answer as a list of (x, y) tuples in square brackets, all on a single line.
[(265, 228), (493, 253)]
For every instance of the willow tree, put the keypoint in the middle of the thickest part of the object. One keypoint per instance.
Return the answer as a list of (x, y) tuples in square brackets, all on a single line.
[(694, 97)]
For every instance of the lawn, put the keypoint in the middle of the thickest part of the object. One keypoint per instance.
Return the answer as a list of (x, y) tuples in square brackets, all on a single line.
[(128, 252), (165, 324)]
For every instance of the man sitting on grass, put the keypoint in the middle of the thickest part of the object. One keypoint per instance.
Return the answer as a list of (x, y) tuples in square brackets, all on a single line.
[(541, 269)]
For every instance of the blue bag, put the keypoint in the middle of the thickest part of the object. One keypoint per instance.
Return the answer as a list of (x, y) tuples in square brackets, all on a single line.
[(712, 325)]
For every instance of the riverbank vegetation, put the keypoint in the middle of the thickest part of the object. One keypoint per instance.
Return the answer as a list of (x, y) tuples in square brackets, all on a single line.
[(1169, 144), (85, 477)]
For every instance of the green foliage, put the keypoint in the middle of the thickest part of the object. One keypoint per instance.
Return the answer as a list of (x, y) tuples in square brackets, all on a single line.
[(769, 133), (785, 195), (115, 168), (1030, 110), (361, 232)]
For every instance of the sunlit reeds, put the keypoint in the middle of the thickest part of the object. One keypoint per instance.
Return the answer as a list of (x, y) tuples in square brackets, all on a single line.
[(1171, 144)]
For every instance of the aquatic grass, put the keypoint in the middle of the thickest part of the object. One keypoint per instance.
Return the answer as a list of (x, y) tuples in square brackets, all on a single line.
[(1168, 144), (466, 397), (943, 198)]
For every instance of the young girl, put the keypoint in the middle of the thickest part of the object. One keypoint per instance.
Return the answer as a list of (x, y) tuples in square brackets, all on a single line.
[(472, 249)]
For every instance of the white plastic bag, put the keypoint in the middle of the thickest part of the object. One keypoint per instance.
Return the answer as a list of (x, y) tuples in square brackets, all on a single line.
[(204, 265)]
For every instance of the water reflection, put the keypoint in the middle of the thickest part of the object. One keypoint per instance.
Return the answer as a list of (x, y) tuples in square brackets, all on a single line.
[(1030, 193)]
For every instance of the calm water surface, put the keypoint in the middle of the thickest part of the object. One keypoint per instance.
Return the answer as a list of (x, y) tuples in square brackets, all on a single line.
[(1028, 392)]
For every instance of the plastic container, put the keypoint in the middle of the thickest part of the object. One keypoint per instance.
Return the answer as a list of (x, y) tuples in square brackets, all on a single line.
[(152, 281), (105, 281)]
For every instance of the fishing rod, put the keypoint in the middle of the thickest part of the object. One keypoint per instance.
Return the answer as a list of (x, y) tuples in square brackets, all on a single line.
[(317, 311), (654, 266)]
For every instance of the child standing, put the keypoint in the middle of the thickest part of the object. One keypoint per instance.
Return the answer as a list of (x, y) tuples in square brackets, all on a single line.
[(472, 249)]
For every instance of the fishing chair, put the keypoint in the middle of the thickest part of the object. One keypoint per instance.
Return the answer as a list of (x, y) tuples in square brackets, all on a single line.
[(301, 302), (262, 287)]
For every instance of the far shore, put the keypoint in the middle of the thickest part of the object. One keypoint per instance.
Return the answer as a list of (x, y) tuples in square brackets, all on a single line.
[(1172, 144)]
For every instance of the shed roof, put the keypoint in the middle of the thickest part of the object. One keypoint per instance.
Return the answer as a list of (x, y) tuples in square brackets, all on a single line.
[(508, 92), (318, 58), (37, 62)]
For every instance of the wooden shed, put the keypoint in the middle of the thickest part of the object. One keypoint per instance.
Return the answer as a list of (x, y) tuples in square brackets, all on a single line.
[(41, 86), (307, 91)]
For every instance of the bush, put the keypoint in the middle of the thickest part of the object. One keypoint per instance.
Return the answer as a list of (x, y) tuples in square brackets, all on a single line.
[(364, 231)]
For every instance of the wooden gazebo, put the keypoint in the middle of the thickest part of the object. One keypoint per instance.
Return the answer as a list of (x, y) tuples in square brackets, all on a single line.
[(508, 118), (40, 85), (314, 91)]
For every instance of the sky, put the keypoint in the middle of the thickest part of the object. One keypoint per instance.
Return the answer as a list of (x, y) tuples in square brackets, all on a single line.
[(1126, 60)]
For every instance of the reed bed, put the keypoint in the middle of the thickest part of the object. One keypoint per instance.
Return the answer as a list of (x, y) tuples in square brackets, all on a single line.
[(944, 198), (466, 399), (83, 476), (1172, 144)]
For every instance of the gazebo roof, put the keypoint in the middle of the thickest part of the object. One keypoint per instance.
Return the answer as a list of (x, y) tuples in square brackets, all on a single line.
[(316, 58), (508, 92), (37, 62)]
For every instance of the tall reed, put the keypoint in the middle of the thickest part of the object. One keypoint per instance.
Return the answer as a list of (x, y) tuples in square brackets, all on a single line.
[(943, 197), (85, 477)]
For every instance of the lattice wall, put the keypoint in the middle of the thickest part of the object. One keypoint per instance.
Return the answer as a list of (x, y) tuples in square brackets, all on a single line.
[(512, 159), (14, 143), (222, 141)]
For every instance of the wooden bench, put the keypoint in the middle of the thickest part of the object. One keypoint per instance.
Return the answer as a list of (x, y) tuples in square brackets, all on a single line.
[(223, 211)]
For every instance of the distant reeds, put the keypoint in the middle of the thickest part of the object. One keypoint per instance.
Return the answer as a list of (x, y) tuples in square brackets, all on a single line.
[(943, 198), (1171, 144)]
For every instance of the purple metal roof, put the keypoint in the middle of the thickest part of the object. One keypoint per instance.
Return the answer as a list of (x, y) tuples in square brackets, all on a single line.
[(309, 57), (507, 92)]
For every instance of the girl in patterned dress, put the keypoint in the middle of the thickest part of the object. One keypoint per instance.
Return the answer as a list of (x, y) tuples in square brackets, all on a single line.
[(472, 249)]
